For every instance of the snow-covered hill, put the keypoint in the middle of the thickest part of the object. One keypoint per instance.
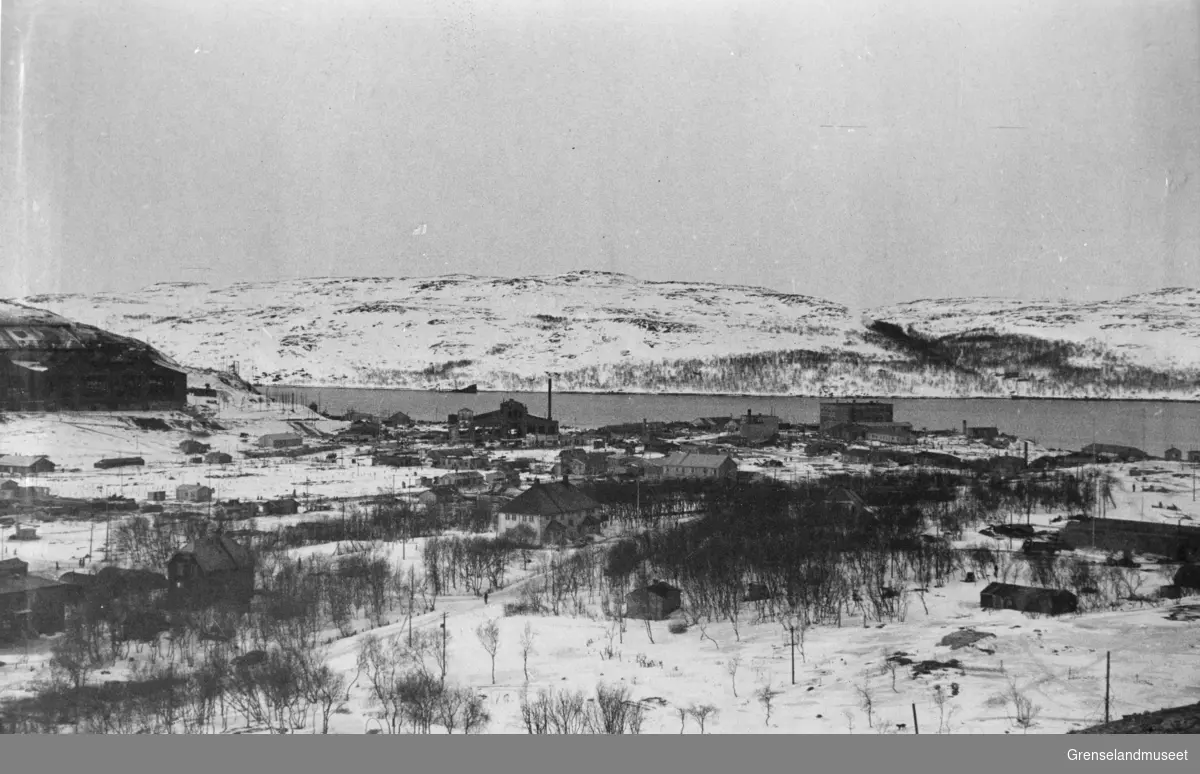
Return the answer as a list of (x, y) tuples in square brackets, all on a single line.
[(601, 331), (1158, 330)]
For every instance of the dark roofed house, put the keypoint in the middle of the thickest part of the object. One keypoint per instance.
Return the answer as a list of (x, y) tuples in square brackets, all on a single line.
[(29, 604), (192, 446), (541, 504), (26, 465), (218, 458), (399, 419), (1193, 455), (1111, 452), (211, 569), (284, 506), (1173, 455), (654, 602), (1028, 599)]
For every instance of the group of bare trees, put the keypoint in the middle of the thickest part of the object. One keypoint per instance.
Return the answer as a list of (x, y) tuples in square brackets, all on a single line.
[(611, 711), (406, 684), (467, 563), (285, 689)]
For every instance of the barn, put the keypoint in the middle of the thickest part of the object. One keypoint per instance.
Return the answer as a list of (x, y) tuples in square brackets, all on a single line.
[(1027, 599), (49, 363), (655, 602)]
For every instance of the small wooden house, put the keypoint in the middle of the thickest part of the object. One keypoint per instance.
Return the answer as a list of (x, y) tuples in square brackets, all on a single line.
[(1028, 599), (218, 458), (194, 493), (1173, 455), (209, 570), (654, 602)]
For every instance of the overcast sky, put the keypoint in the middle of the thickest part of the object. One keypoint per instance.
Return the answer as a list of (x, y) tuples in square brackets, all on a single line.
[(863, 151)]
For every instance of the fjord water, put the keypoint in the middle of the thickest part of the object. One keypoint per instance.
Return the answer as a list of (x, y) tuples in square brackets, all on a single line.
[(1061, 424)]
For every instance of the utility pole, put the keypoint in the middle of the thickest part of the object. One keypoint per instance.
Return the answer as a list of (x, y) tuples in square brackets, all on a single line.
[(1107, 683), (443, 647), (916, 725), (792, 629), (412, 594)]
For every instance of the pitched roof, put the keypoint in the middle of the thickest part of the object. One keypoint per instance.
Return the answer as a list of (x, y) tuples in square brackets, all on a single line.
[(16, 585), (551, 499), (219, 554), (694, 460), (20, 460)]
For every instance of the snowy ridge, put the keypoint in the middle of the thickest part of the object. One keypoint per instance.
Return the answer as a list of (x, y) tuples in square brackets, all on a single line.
[(601, 331)]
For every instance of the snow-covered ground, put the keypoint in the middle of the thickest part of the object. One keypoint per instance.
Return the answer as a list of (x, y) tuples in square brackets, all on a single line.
[(1057, 663)]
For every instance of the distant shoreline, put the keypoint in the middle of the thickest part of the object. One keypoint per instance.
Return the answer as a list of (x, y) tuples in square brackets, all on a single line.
[(633, 393)]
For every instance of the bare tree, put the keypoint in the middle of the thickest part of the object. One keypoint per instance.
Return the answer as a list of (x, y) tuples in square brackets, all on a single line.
[(731, 667), (488, 633), (527, 648), (866, 699), (702, 712), (766, 697), (1024, 710)]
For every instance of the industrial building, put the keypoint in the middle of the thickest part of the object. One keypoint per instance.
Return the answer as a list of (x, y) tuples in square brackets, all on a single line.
[(854, 412)]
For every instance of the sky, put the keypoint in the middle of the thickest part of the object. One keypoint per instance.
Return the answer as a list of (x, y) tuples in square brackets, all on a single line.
[(862, 151)]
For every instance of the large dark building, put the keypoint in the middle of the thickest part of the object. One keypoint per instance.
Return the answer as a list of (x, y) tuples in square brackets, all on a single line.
[(48, 363), (854, 413), (513, 420)]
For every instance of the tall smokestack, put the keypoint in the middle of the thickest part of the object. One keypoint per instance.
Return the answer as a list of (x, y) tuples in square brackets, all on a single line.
[(964, 428), (1027, 454), (549, 398)]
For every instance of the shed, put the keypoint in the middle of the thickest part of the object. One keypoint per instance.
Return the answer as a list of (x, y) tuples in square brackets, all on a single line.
[(119, 462), (654, 602), (1027, 599), (218, 458)]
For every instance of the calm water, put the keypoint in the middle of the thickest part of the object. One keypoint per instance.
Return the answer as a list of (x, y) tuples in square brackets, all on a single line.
[(1064, 424)]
